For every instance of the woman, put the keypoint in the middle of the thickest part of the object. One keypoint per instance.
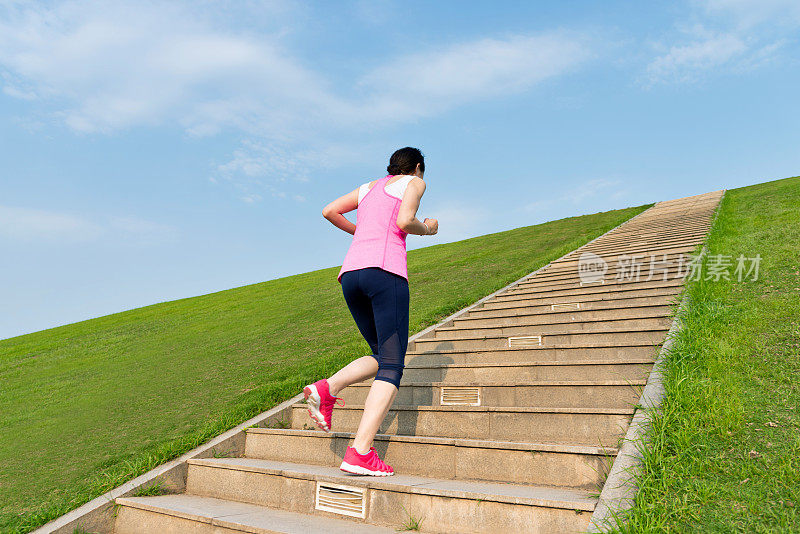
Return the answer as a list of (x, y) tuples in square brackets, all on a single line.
[(374, 281)]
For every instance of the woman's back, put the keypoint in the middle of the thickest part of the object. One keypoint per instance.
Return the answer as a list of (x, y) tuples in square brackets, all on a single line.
[(396, 186), (378, 241)]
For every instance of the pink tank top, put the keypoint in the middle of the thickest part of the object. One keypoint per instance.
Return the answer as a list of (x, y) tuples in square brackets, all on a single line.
[(378, 241)]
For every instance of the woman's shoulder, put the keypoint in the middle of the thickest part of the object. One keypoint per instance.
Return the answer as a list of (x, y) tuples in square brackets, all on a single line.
[(401, 182), (406, 179), (417, 181)]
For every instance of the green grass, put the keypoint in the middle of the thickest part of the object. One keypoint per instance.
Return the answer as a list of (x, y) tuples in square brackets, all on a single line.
[(87, 406), (412, 523), (724, 454), (155, 488)]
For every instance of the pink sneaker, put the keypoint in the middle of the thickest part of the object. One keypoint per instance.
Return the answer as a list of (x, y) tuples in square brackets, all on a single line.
[(365, 464), (320, 403)]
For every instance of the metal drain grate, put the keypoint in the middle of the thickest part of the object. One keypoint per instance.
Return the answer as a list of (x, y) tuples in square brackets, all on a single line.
[(344, 500), (525, 341), (566, 306), (462, 396)]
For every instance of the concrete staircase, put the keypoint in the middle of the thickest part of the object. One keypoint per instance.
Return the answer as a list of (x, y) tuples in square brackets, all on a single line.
[(507, 420)]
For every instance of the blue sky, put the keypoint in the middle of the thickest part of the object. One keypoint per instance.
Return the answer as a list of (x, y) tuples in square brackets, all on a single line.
[(152, 151)]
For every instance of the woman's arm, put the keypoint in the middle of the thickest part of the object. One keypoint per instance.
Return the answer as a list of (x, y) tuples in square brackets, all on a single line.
[(407, 215), (344, 204)]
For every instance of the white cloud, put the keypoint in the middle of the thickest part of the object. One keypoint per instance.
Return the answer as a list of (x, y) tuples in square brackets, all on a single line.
[(590, 189), (687, 62), (28, 224), (583, 193), (725, 36), (116, 65), (437, 80), (101, 67), (274, 167), (433, 81), (749, 13)]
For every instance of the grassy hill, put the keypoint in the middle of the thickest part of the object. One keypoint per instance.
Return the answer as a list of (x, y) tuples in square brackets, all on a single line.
[(86, 406), (725, 453)]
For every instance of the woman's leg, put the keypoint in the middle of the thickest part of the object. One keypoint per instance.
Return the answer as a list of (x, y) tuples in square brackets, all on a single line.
[(379, 400), (321, 395), (390, 301), (352, 373), (360, 306)]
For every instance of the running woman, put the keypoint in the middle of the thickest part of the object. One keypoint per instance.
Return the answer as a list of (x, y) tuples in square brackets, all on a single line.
[(374, 280)]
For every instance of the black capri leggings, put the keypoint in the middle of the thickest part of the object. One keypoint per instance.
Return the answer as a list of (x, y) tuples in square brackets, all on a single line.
[(378, 301)]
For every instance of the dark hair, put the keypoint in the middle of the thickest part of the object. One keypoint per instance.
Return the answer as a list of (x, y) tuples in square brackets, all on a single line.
[(404, 161)]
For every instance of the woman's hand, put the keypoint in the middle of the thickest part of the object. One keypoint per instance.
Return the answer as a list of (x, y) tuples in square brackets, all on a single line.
[(433, 224)]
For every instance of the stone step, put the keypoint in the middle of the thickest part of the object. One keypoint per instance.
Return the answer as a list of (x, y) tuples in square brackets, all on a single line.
[(560, 336), (585, 289), (643, 257), (689, 205), (559, 272), (174, 514), (609, 283), (572, 466), (650, 228), (661, 272), (641, 246), (517, 355), (628, 319), (639, 239), (509, 371), (654, 233), (631, 241), (492, 430), (670, 221), (650, 220), (674, 219), (677, 208), (544, 393), (674, 222), (678, 212), (602, 427), (588, 294), (632, 234), (443, 505), (553, 328), (625, 277), (568, 313), (569, 261), (613, 251)]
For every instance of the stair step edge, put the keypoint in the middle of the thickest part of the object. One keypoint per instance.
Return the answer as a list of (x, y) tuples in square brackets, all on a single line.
[(509, 383), (534, 363), (479, 409), (245, 516), (543, 496), (458, 442)]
